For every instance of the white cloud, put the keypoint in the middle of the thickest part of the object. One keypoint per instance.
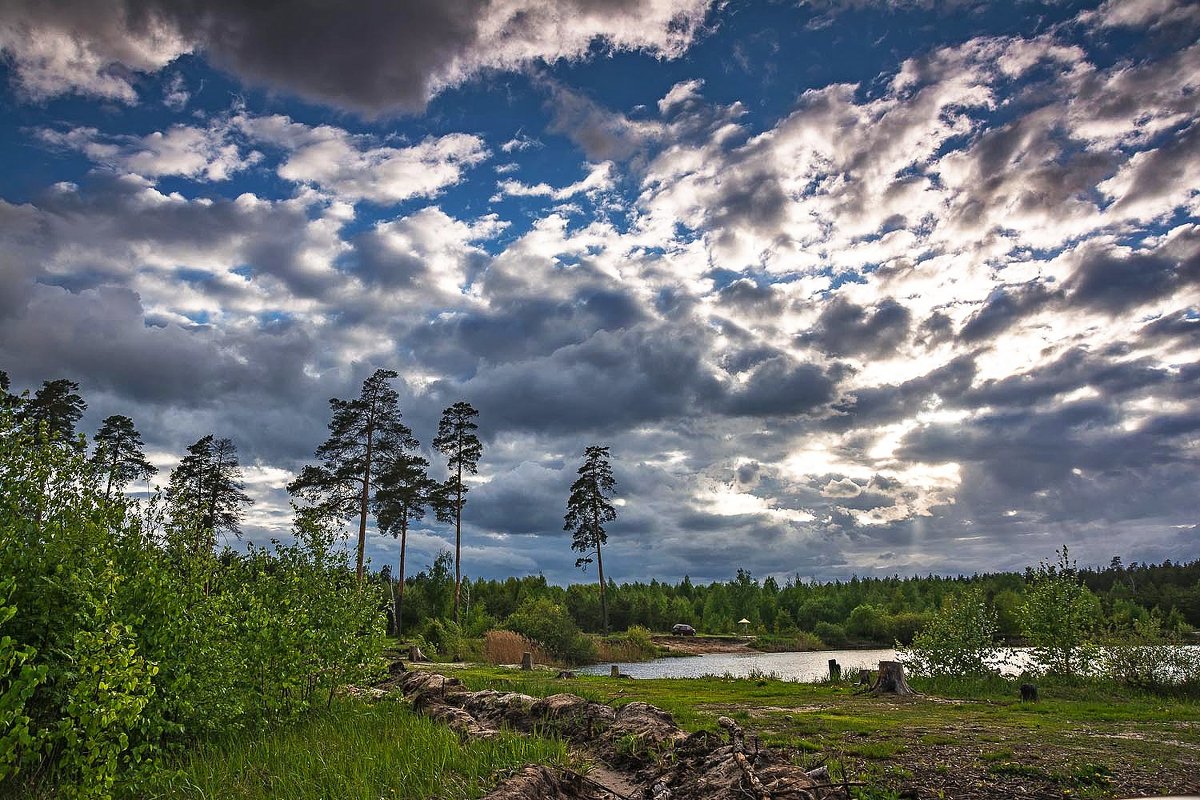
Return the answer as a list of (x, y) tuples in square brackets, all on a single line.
[(200, 153), (358, 167)]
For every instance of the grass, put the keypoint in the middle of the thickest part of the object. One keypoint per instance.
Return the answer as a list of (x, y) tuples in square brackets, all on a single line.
[(1088, 738), (355, 751)]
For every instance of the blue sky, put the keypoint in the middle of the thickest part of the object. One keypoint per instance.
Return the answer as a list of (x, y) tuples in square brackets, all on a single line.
[(865, 287)]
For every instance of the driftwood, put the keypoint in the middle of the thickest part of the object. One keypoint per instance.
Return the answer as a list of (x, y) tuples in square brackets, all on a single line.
[(653, 757)]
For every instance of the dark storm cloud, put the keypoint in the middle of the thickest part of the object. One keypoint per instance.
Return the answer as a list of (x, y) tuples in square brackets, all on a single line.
[(845, 328), (370, 55), (1114, 282), (613, 379), (782, 387), (1075, 368), (1006, 307), (879, 405)]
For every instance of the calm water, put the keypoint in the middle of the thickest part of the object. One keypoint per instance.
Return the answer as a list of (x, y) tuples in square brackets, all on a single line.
[(787, 666)]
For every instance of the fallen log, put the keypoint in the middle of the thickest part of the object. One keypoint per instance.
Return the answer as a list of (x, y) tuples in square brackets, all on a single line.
[(641, 743)]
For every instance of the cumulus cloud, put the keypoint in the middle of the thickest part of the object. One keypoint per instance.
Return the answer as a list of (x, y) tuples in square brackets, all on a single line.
[(366, 56), (183, 150)]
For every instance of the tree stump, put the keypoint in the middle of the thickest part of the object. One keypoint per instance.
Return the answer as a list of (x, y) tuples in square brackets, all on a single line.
[(835, 670), (527, 661), (864, 677), (890, 679), (415, 654), (615, 672)]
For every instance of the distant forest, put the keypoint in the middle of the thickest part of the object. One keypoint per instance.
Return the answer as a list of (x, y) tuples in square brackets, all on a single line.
[(856, 611)]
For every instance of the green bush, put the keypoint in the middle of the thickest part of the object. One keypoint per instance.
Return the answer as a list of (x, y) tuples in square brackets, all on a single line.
[(958, 642), (1060, 618), (120, 643), (830, 633), (549, 624)]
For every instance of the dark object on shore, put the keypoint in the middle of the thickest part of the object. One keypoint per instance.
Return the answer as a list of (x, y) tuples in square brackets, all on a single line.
[(890, 680), (565, 674), (527, 661), (682, 630), (415, 654), (864, 677), (835, 670), (1029, 693)]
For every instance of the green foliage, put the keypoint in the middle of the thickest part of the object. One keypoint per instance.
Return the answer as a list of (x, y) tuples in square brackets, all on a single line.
[(1060, 618), (122, 641), (960, 640), (18, 680), (1146, 654), (549, 624), (380, 751)]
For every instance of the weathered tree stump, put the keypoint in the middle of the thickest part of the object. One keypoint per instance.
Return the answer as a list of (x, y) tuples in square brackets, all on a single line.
[(835, 670), (1029, 693), (864, 677), (415, 654), (615, 672), (527, 661), (890, 679)]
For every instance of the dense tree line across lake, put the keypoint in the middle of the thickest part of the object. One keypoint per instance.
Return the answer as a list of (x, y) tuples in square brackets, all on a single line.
[(843, 612)]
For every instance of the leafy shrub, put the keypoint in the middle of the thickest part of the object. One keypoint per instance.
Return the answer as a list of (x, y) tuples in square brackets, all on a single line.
[(958, 641), (1146, 655), (549, 624), (634, 644), (830, 633), (1060, 617), (121, 641)]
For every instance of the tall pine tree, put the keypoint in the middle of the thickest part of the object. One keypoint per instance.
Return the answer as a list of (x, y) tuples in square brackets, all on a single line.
[(457, 441), (405, 492), (589, 507), (118, 457), (364, 433), (206, 491), (58, 406)]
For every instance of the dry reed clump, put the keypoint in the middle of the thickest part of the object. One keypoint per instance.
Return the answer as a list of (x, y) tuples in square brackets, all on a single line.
[(618, 651), (506, 647)]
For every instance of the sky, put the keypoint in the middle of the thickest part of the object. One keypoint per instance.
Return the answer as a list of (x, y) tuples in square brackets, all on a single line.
[(868, 287)]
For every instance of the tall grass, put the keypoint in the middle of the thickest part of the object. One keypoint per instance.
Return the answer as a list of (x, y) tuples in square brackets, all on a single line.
[(354, 751), (507, 647), (634, 644)]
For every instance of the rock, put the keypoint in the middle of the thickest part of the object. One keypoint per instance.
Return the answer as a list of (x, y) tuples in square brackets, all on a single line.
[(543, 783)]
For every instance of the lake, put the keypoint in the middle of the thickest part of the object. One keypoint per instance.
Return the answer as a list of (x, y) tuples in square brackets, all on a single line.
[(805, 667)]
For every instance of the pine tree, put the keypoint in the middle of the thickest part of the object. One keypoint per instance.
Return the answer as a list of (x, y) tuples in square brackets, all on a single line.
[(58, 406), (405, 492), (118, 456), (363, 434), (206, 491), (589, 507), (457, 441)]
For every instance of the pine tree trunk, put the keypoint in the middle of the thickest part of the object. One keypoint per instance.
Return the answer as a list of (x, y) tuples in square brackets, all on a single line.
[(400, 592), (362, 509), (458, 541), (603, 593)]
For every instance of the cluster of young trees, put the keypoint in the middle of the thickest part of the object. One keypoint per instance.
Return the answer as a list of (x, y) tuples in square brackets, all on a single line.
[(370, 464), (123, 632)]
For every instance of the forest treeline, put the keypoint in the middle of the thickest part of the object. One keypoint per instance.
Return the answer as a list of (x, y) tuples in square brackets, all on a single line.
[(841, 612)]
